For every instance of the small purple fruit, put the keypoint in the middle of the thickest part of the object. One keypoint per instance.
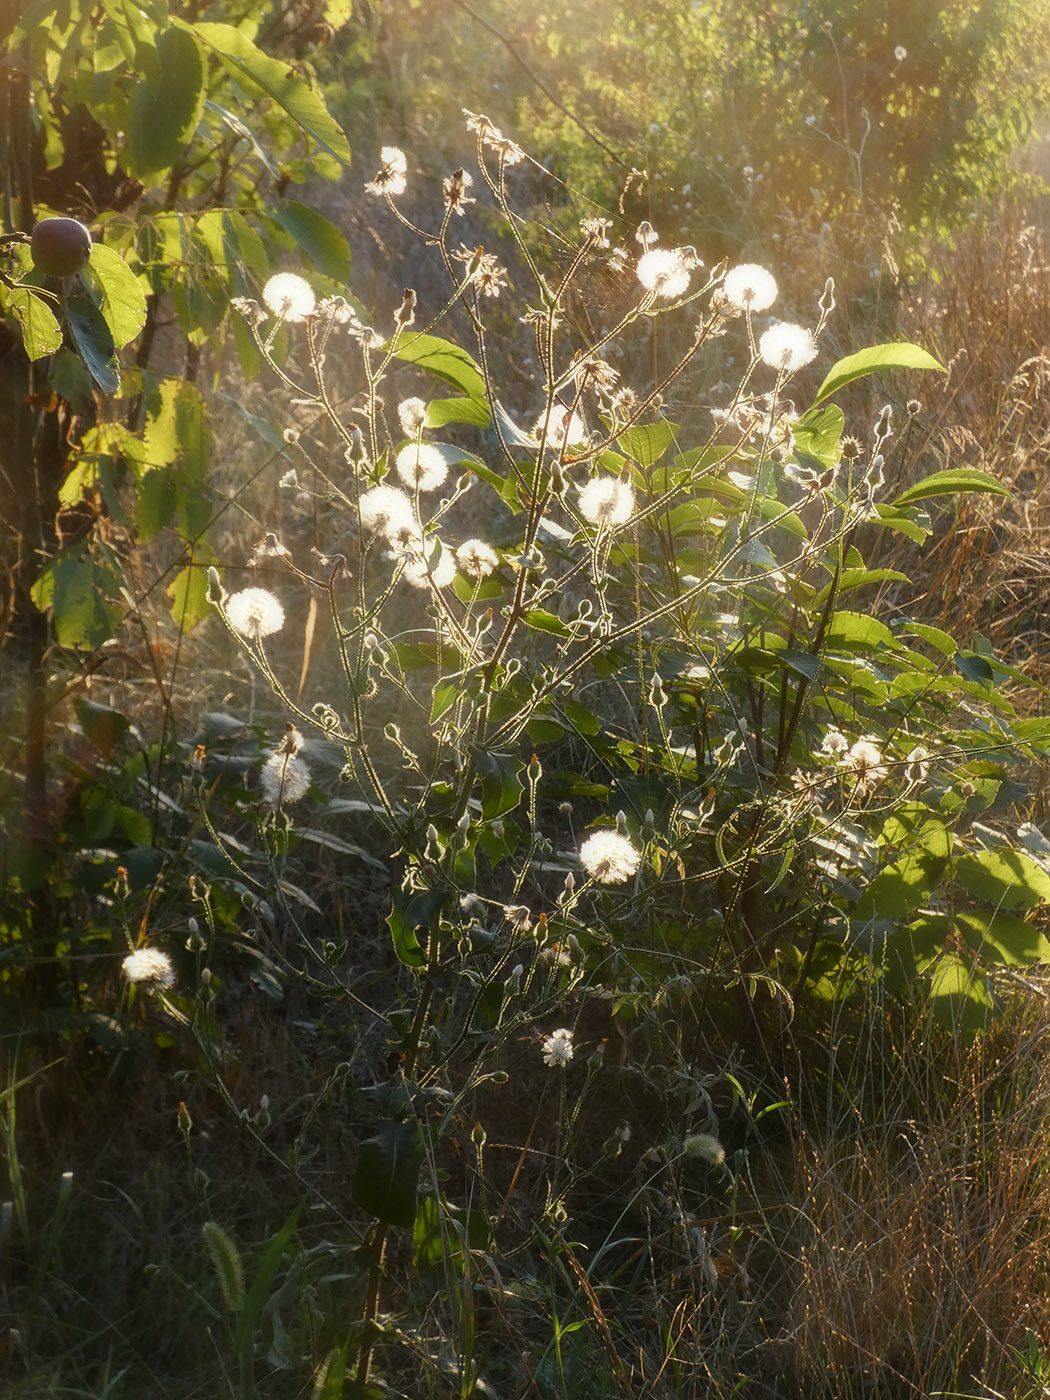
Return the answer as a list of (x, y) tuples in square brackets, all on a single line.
[(60, 247)]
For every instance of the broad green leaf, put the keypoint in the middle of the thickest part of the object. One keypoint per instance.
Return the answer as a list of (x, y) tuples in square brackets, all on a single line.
[(1008, 879), (818, 434), (321, 241), (276, 80), (412, 910), (646, 445), (167, 106), (332, 1376), (70, 378), (385, 1182), (501, 788), (188, 592), (442, 358), (442, 411), (873, 360), (961, 999), (41, 333), (102, 726), (193, 433), (940, 641), (914, 524), (905, 884), (540, 620), (852, 631), (952, 483), (975, 668), (857, 578), (441, 1229), (94, 340), (1000, 938), (81, 594), (117, 294)]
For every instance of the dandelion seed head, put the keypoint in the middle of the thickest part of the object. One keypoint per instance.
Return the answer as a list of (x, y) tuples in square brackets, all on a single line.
[(865, 760), (390, 178), (565, 428), (419, 465), (290, 297), (254, 613), (900, 53), (421, 571), (149, 965), (387, 511), (558, 1049), (284, 778), (664, 272), (476, 558), (786, 347), (834, 744), (412, 415), (607, 501), (749, 287), (609, 858)]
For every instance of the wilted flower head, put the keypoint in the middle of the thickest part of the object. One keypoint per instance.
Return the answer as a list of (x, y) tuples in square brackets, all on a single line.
[(665, 272), (476, 558), (609, 858), (558, 1049), (284, 777), (419, 465), (489, 134), (254, 613), (865, 760), (606, 501), (149, 965), (455, 187), (703, 1147), (519, 917), (787, 347), (596, 231), (918, 764), (834, 744), (387, 511), (290, 296), (485, 270), (412, 415), (749, 287), (390, 178), (593, 370)]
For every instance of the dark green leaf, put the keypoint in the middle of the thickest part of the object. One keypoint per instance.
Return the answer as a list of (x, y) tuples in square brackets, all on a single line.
[(94, 340), (412, 910), (102, 726), (259, 1293), (80, 593), (501, 788), (385, 1182), (167, 105)]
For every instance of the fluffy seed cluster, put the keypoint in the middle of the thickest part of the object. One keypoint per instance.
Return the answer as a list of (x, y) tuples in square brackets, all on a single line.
[(149, 965), (284, 778), (387, 511), (749, 287), (558, 1049), (606, 501), (703, 1147), (664, 272), (289, 296), (254, 613), (390, 178), (865, 760), (564, 428), (422, 571), (609, 858), (476, 558), (786, 347), (421, 466), (412, 415)]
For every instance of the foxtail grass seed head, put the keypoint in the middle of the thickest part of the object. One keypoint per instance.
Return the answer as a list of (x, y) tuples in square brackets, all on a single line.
[(606, 501), (422, 467), (664, 272), (149, 965), (290, 297), (412, 415), (786, 347), (284, 778), (558, 1049), (704, 1147), (476, 559), (387, 511), (609, 858), (749, 287), (254, 613), (391, 177)]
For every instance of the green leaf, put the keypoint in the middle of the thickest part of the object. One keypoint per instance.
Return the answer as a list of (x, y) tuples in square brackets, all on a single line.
[(442, 358), (940, 641), (321, 241), (540, 620), (1008, 879), (101, 726), (167, 106), (189, 592), (259, 1293), (648, 444), (873, 360), (117, 294), (501, 787), (412, 910), (1000, 938), (818, 434), (975, 668), (41, 333), (952, 483), (385, 1182), (80, 593), (94, 340), (905, 884), (851, 631), (961, 999), (71, 379), (442, 411), (278, 81)]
